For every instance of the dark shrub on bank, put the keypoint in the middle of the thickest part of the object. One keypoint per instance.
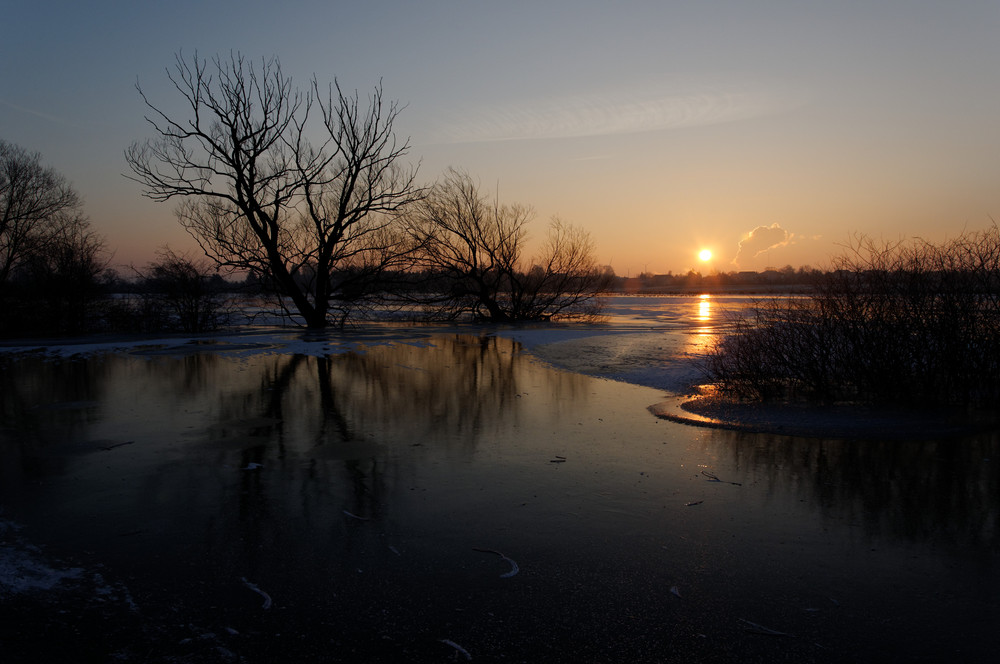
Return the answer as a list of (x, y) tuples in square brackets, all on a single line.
[(183, 294), (893, 323)]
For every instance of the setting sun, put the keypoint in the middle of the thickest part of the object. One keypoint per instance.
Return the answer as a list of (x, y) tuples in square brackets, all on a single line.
[(705, 255)]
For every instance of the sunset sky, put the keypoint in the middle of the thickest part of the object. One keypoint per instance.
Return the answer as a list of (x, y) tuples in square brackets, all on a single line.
[(663, 128)]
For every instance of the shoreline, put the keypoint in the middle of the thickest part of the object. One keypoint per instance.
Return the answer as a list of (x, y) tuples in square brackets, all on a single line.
[(815, 420), (580, 350)]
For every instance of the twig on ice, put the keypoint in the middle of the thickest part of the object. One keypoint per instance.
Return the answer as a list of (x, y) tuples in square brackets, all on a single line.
[(253, 587), (111, 447), (760, 629), (514, 569), (712, 477), (449, 642)]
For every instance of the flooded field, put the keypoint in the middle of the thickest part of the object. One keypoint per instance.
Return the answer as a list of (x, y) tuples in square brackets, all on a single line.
[(429, 495)]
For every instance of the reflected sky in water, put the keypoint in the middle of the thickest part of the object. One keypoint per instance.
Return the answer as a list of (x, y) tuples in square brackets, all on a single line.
[(656, 341), (355, 488)]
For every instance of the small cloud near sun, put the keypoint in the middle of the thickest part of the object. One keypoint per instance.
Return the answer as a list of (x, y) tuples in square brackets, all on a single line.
[(761, 239)]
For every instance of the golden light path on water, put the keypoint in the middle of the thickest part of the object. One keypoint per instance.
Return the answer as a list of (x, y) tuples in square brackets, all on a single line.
[(704, 307), (704, 336)]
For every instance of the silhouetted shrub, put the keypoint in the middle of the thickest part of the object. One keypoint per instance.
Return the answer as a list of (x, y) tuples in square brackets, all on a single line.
[(892, 323), (179, 293)]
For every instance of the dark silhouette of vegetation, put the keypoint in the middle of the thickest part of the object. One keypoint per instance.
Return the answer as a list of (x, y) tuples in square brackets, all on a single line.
[(315, 222), (894, 323), (771, 280), (51, 262), (178, 292), (474, 248), (38, 208), (59, 290)]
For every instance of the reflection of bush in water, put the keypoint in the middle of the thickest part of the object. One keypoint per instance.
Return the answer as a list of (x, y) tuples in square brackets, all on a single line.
[(942, 491)]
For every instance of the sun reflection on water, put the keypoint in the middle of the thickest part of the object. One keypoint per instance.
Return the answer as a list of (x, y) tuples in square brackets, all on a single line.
[(703, 334), (704, 307)]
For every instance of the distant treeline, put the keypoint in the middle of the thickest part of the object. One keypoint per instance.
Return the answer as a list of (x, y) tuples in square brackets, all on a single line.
[(787, 278), (180, 293)]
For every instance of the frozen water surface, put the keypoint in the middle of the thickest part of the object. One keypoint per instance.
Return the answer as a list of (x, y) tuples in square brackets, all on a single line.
[(427, 494)]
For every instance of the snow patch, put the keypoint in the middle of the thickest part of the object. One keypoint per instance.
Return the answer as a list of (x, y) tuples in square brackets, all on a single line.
[(22, 569)]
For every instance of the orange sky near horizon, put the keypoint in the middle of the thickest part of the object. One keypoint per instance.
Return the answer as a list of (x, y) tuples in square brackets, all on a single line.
[(766, 131)]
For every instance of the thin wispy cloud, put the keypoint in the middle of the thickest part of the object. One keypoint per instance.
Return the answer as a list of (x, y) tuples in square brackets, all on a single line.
[(603, 115), (37, 114)]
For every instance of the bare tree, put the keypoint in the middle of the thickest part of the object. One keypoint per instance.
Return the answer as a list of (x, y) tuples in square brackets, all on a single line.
[(316, 222), (37, 206), (475, 248), (56, 286)]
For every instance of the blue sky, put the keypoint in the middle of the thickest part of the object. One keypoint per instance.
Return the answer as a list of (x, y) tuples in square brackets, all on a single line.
[(660, 127)]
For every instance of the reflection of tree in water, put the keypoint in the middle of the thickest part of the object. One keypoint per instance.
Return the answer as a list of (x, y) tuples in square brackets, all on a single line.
[(184, 374), (35, 390), (344, 432), (452, 392), (363, 433), (44, 402), (946, 491), (360, 417)]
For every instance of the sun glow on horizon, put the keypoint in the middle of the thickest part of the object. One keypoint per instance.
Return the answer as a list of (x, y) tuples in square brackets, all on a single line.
[(705, 255)]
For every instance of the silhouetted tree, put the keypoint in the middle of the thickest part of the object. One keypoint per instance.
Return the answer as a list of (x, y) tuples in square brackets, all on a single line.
[(315, 222), (476, 247), (57, 286), (37, 207)]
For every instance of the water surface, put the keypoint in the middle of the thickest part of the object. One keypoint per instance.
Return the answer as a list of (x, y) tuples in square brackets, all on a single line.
[(378, 497)]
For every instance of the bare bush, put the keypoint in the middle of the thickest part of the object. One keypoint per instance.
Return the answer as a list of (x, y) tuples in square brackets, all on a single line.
[(903, 323), (179, 292)]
